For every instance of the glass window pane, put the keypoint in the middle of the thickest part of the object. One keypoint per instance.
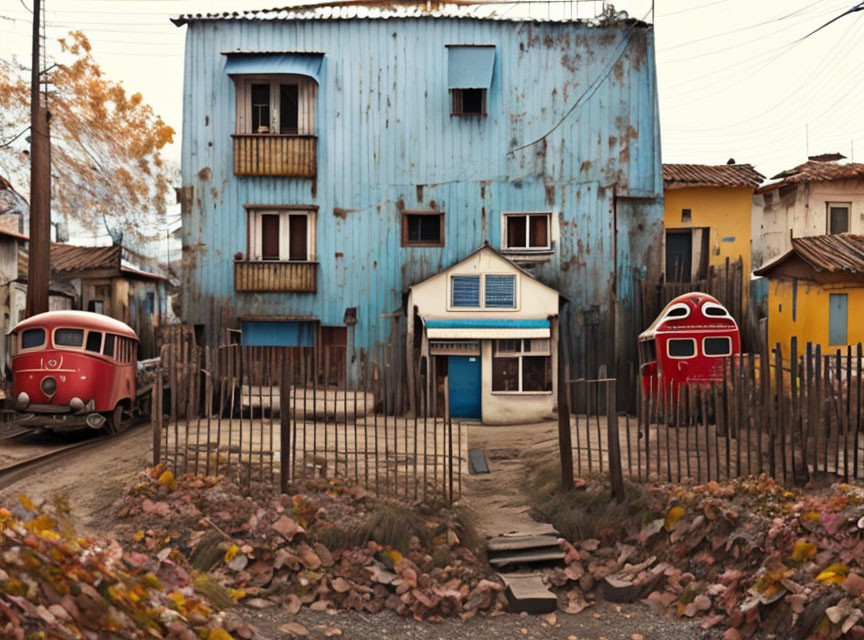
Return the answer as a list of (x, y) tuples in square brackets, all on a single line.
[(719, 346), (508, 346), (94, 342), (69, 337), (536, 373), (465, 291), (260, 108), (681, 347), (298, 228), (32, 338), (505, 374), (288, 108), (839, 220), (501, 292), (108, 349), (516, 232), (539, 232), (424, 228), (270, 236)]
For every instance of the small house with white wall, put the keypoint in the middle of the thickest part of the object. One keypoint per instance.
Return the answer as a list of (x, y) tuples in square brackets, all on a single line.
[(483, 335)]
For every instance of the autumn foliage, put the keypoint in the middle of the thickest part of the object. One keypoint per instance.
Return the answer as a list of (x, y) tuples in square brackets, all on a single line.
[(106, 164)]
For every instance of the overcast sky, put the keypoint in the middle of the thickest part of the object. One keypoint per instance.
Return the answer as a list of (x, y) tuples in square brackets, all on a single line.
[(736, 80)]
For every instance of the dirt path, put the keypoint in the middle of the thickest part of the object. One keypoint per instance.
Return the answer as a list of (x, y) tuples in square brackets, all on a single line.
[(89, 483)]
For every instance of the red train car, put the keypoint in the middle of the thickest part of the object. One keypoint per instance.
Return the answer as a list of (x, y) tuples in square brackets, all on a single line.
[(73, 369), (687, 343)]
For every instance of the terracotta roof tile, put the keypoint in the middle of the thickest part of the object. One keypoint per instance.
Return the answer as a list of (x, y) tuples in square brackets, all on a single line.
[(678, 176), (834, 253), (816, 171)]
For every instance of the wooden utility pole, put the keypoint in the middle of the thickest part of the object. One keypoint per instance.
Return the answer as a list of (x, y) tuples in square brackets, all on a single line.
[(565, 446), (39, 266)]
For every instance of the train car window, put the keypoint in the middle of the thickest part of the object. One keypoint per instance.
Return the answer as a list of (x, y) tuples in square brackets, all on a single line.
[(108, 349), (714, 310), (94, 342), (678, 312), (681, 348), (68, 337), (32, 338), (718, 346)]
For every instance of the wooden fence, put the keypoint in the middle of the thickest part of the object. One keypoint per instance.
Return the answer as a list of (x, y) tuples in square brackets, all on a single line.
[(792, 414), (271, 416)]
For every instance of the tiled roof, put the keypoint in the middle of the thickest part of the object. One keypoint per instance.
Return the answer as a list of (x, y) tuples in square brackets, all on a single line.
[(816, 171), (389, 9), (834, 253), (677, 176)]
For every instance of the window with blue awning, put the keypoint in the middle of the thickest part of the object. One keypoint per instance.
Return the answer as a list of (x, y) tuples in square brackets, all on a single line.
[(470, 66), (301, 64)]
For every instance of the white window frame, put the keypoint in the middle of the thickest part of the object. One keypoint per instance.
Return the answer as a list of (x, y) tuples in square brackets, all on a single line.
[(307, 90), (723, 355), (695, 349), (254, 239), (526, 214), (838, 205), (483, 307), (543, 352)]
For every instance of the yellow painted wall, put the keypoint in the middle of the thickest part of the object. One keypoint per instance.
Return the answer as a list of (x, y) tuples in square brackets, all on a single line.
[(726, 210), (811, 317)]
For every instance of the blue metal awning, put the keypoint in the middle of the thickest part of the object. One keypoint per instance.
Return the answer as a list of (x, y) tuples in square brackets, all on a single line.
[(278, 333), (490, 328), (470, 66), (302, 64)]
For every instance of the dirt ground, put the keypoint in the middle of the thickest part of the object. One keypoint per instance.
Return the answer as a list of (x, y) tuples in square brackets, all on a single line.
[(92, 483)]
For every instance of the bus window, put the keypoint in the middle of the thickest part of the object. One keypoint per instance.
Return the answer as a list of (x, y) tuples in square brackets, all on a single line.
[(108, 349), (681, 347), (68, 337), (32, 338), (717, 346), (94, 341)]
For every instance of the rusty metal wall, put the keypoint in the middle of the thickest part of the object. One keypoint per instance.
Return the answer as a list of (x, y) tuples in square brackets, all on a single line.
[(387, 142)]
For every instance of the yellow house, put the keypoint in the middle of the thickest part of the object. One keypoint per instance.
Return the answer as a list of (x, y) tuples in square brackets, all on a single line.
[(707, 215), (815, 289)]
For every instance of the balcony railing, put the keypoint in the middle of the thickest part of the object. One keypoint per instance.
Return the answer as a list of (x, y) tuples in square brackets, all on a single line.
[(267, 154), (275, 276)]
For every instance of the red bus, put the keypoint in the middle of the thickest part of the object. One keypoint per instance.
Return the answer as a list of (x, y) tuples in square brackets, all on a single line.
[(687, 343), (73, 369)]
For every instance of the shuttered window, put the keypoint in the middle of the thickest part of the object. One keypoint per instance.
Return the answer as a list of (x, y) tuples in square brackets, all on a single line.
[(501, 292), (465, 291)]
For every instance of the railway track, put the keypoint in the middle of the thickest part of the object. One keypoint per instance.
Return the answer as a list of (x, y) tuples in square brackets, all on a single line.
[(17, 471)]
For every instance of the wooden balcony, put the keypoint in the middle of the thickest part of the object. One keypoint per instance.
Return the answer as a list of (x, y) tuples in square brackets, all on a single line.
[(275, 276), (266, 154)]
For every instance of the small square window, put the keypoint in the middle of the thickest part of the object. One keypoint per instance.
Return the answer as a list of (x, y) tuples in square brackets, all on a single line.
[(527, 231), (838, 217), (422, 229), (465, 291), (500, 292), (686, 215), (468, 102)]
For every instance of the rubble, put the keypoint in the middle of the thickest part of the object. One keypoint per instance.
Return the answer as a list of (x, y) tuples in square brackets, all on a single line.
[(327, 546), (57, 585), (746, 555)]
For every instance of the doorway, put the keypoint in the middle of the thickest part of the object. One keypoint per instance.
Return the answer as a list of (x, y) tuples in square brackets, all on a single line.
[(687, 254), (463, 374)]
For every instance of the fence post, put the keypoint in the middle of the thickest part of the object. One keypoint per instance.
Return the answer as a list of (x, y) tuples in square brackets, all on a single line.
[(156, 417), (615, 475), (565, 445), (284, 427)]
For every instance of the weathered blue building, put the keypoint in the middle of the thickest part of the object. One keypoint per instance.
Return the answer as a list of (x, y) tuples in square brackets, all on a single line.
[(334, 156)]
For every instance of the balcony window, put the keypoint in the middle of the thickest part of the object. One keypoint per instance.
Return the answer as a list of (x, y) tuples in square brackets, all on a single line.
[(277, 105), (281, 234)]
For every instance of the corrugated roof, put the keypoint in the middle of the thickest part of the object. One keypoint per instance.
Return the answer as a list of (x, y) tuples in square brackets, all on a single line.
[(834, 253), (69, 257), (707, 175), (387, 10), (816, 171)]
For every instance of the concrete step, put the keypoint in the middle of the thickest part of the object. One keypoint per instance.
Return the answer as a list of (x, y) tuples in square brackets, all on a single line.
[(514, 550), (526, 592)]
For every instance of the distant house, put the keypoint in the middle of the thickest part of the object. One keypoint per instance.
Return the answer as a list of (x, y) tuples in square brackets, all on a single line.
[(816, 292), (104, 283), (707, 217), (484, 334), (822, 196)]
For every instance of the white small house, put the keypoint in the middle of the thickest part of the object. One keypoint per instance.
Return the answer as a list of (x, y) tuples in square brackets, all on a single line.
[(483, 335)]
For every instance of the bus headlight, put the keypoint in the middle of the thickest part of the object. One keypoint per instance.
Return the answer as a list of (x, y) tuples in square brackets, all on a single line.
[(76, 404), (49, 386), (23, 400)]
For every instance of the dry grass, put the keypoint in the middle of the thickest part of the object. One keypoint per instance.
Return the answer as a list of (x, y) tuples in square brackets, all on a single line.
[(586, 513)]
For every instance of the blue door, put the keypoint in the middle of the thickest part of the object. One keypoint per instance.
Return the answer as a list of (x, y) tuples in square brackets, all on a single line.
[(838, 312), (463, 373)]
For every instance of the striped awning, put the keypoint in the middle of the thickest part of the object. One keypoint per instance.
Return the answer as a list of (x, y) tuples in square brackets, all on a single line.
[(482, 328)]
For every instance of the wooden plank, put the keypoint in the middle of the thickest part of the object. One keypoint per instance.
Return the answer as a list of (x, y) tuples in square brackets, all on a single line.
[(526, 592), (527, 556), (518, 543)]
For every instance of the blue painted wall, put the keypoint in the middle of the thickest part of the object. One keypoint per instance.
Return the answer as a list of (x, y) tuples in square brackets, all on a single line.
[(387, 142)]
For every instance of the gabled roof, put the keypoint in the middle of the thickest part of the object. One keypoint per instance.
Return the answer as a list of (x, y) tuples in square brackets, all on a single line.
[(815, 171), (679, 176), (393, 9), (841, 253)]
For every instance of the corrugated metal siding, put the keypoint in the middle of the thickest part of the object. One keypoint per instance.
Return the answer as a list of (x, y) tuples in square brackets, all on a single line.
[(387, 142)]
